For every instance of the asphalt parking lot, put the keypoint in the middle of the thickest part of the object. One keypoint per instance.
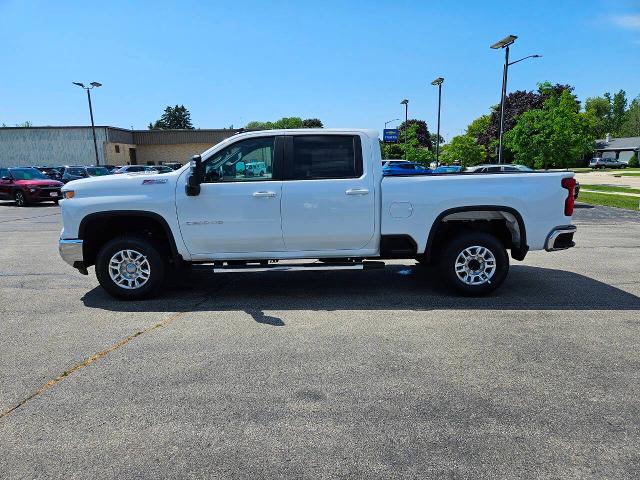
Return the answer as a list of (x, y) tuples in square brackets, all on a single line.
[(375, 374)]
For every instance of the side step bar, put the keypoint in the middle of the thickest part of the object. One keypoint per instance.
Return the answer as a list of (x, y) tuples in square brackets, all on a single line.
[(292, 267)]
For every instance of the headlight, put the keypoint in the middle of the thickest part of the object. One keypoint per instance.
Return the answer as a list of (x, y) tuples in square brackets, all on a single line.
[(68, 194)]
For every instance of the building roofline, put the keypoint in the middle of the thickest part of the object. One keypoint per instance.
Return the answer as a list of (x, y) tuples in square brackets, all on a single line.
[(119, 128)]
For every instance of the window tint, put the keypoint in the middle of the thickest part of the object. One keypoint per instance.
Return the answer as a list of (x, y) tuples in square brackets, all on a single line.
[(510, 169), (243, 161), (4, 172), (493, 169), (324, 156), (76, 172)]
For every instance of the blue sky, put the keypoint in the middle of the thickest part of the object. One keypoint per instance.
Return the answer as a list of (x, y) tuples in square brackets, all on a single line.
[(348, 63)]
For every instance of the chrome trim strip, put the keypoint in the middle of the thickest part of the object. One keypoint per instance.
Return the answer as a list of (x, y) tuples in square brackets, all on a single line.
[(549, 244), (70, 250)]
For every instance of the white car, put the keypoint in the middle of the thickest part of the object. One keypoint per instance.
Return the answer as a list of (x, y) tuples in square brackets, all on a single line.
[(325, 198), (255, 169)]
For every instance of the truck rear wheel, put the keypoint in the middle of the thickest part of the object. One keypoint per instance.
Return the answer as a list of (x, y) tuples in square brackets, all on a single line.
[(130, 268), (474, 263)]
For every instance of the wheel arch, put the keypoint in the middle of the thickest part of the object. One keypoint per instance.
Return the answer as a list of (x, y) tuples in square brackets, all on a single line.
[(124, 217), (519, 247)]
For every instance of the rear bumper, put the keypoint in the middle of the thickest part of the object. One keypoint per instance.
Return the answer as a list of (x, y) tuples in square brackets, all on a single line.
[(71, 252), (560, 238)]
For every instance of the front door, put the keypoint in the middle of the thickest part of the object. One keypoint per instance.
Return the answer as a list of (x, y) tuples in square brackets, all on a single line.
[(328, 201), (238, 209)]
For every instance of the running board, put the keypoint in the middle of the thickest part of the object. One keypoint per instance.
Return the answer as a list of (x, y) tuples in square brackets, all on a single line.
[(292, 267)]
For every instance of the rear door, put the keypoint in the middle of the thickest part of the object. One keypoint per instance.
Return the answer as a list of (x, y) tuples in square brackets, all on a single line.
[(328, 196)]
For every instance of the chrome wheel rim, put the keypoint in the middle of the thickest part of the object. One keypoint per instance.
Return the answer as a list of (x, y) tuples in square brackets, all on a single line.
[(129, 269), (475, 265)]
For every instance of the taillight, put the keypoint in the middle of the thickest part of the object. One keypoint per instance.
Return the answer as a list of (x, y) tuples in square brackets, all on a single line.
[(570, 185)]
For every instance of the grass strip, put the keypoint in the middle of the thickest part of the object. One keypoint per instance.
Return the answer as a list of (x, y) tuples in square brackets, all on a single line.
[(610, 188), (617, 201)]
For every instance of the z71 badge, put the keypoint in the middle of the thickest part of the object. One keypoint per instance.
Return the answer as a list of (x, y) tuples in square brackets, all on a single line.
[(154, 181)]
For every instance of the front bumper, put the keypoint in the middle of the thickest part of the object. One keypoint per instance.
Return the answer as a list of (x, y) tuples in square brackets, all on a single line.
[(560, 238), (71, 252)]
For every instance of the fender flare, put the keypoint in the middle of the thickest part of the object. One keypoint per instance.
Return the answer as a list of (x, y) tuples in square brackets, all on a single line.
[(133, 213), (518, 252)]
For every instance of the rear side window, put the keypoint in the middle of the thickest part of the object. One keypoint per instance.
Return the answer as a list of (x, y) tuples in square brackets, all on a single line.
[(326, 156), (77, 172)]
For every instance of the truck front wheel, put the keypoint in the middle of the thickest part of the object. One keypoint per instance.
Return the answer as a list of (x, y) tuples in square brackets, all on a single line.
[(474, 263), (130, 268)]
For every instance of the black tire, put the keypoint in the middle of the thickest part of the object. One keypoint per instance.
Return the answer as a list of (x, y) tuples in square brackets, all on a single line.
[(20, 198), (489, 279), (156, 262)]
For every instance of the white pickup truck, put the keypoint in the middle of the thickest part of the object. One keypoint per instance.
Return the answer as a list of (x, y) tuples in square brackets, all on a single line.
[(321, 196)]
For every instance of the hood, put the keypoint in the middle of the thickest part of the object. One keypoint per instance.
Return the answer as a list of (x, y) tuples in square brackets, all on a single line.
[(126, 183), (39, 183)]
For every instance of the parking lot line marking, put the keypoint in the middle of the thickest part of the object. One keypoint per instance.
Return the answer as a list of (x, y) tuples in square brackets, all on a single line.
[(103, 353)]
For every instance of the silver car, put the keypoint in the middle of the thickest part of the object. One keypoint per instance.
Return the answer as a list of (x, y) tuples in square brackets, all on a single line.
[(606, 163)]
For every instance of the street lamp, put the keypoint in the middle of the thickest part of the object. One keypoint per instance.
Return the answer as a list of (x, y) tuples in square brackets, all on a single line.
[(505, 43), (405, 102), (394, 120), (93, 127), (438, 81)]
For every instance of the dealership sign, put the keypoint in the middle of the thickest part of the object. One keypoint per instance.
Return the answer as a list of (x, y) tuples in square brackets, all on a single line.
[(390, 135)]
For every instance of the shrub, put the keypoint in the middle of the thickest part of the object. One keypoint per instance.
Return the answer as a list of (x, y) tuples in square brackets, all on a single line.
[(633, 161)]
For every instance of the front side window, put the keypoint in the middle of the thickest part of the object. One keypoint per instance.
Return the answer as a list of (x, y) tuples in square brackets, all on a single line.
[(325, 156), (246, 160), (4, 172), (97, 171)]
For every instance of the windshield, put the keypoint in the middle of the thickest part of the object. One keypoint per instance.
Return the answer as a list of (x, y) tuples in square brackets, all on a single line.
[(97, 171), (27, 174)]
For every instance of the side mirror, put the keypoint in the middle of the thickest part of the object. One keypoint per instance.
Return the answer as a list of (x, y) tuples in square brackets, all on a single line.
[(192, 188)]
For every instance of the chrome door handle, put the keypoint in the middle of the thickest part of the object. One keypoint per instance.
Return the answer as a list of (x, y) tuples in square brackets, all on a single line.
[(264, 194), (357, 191)]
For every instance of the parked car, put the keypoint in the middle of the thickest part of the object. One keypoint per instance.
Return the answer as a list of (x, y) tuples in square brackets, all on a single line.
[(135, 169), (596, 163), (255, 169), (77, 172), (498, 168), (448, 169), (405, 168), (26, 185), (173, 165), (54, 173), (326, 199), (162, 168)]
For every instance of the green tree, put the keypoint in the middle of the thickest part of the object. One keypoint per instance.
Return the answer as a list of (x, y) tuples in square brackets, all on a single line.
[(600, 108), (312, 123), (558, 135), (479, 126), (422, 132), (463, 149), (285, 123), (173, 118), (633, 161), (631, 125), (414, 151)]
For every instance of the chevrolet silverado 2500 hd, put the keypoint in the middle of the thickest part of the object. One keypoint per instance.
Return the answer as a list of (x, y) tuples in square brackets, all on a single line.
[(321, 196)]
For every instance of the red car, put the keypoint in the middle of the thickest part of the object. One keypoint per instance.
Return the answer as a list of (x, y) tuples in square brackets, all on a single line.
[(28, 185)]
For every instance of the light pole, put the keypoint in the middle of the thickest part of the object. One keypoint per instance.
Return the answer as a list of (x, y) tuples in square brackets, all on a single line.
[(405, 102), (394, 120), (438, 81), (505, 43), (93, 127)]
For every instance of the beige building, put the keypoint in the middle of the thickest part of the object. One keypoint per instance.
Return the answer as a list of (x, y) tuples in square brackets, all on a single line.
[(73, 145)]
